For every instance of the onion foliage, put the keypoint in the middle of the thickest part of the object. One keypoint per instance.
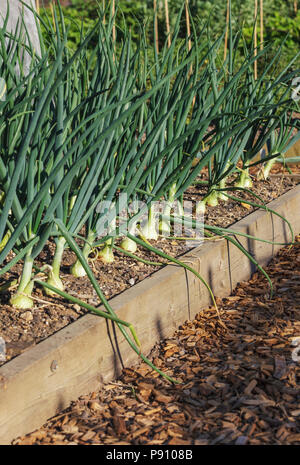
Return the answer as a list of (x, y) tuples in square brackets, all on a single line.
[(85, 135)]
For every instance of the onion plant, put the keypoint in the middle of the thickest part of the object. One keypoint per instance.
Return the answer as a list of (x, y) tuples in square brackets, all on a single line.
[(277, 128), (284, 136)]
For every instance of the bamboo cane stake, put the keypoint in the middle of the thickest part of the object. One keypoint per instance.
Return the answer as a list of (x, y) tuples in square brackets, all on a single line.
[(52, 12), (167, 23), (114, 22), (37, 4), (188, 28), (156, 25), (255, 39), (261, 24), (295, 6), (188, 25), (226, 32)]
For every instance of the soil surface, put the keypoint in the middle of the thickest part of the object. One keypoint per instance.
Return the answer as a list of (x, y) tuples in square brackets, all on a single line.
[(240, 377), (23, 329)]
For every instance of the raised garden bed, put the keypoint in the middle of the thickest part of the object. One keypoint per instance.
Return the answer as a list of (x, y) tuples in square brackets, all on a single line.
[(239, 378), (77, 358), (88, 134), (23, 329)]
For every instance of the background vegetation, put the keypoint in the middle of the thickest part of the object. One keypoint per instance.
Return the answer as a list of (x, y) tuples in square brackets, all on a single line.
[(281, 20)]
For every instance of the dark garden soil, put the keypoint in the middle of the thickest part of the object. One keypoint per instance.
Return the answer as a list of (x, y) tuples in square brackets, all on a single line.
[(22, 329), (240, 377)]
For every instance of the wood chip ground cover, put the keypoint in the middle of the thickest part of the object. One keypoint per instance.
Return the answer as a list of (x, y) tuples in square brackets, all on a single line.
[(23, 329), (239, 377)]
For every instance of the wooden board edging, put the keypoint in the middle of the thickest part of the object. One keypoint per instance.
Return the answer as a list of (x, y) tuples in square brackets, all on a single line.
[(43, 380)]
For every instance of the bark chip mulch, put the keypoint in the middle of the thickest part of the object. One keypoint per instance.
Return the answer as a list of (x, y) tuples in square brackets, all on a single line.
[(239, 377)]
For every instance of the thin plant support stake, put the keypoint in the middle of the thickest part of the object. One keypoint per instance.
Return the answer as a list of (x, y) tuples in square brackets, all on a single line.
[(114, 23), (52, 13), (188, 24), (226, 31), (167, 23), (188, 29), (156, 25), (261, 24)]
